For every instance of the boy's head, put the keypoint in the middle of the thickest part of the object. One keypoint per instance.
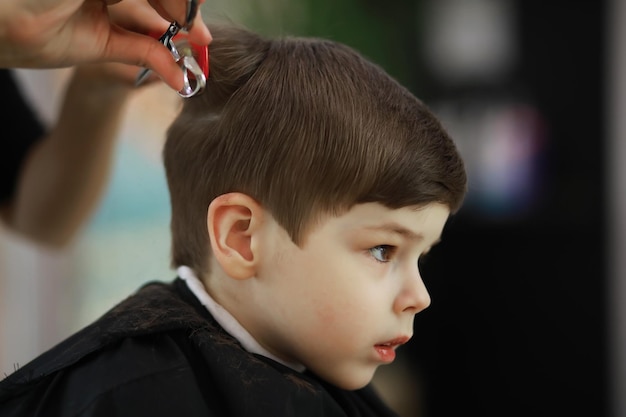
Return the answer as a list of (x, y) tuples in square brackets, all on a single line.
[(314, 182), (305, 127)]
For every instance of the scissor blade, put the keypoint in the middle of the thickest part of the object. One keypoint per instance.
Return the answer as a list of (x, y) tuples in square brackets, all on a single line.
[(142, 76)]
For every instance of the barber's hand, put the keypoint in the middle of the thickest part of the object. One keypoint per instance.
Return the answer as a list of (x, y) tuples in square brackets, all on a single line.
[(63, 33)]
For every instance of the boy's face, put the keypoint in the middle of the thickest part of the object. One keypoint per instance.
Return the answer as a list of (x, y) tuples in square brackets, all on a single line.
[(343, 301)]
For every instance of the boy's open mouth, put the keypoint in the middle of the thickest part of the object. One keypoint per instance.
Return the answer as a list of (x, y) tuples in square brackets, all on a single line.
[(386, 350)]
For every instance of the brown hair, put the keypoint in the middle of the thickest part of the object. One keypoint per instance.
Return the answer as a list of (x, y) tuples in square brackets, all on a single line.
[(307, 127)]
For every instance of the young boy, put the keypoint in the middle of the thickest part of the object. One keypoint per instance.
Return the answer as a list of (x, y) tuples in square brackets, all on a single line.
[(305, 185)]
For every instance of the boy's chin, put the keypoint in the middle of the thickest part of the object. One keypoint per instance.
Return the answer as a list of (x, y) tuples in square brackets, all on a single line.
[(355, 381)]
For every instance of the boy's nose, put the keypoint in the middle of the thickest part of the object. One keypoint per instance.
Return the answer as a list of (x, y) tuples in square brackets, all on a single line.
[(413, 296)]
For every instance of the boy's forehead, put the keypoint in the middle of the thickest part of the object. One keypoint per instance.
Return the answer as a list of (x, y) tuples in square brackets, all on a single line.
[(413, 222)]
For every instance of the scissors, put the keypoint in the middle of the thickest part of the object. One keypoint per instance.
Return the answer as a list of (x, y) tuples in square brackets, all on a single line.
[(194, 73)]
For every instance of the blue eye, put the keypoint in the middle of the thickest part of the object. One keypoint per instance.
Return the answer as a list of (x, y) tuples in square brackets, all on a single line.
[(382, 253)]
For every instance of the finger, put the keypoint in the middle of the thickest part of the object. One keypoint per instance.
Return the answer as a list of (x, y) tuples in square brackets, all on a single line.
[(135, 49), (137, 16), (112, 75), (199, 32), (170, 10), (174, 10)]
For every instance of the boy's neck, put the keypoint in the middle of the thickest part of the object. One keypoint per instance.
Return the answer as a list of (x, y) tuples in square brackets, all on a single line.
[(226, 319)]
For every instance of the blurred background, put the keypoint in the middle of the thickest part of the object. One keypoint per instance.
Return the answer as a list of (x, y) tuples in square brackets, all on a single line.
[(528, 287)]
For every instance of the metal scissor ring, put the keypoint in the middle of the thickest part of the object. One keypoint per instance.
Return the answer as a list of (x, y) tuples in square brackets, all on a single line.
[(194, 75)]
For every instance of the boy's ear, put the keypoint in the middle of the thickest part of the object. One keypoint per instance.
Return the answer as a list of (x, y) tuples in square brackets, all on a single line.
[(232, 221)]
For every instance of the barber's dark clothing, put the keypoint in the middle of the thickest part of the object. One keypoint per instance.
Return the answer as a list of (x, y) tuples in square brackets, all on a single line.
[(21, 128), (160, 353)]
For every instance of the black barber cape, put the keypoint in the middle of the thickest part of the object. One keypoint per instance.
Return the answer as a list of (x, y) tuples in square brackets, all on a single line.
[(160, 353)]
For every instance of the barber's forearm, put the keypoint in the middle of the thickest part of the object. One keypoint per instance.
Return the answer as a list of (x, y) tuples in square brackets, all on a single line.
[(67, 172)]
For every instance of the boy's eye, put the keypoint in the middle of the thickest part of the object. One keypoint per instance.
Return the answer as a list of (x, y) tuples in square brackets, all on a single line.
[(382, 253)]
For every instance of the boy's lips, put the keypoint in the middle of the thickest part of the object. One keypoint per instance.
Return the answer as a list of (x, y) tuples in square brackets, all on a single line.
[(386, 350)]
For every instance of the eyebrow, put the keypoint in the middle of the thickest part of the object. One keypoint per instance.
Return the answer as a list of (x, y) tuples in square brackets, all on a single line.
[(398, 230)]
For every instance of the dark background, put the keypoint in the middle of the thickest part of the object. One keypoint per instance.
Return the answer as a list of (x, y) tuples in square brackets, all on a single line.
[(517, 326)]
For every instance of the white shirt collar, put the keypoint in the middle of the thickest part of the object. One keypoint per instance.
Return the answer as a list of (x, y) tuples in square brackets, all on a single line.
[(226, 320)]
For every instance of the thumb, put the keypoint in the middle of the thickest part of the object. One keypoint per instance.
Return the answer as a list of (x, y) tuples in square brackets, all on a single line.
[(199, 32)]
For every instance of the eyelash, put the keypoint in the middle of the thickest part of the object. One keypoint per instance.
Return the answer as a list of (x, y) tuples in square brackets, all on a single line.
[(390, 250)]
